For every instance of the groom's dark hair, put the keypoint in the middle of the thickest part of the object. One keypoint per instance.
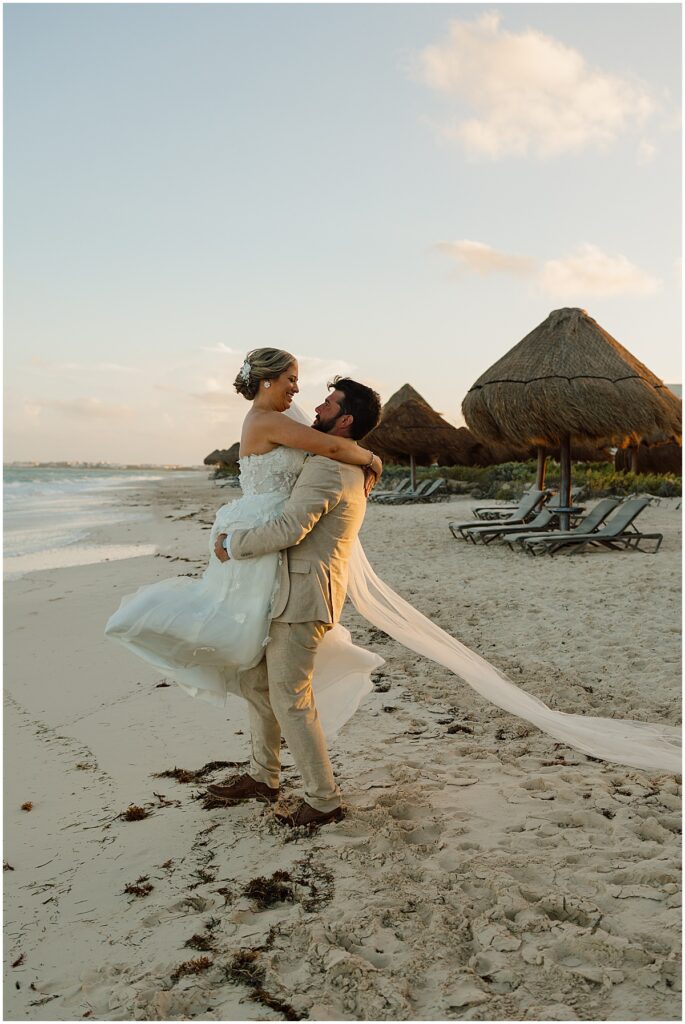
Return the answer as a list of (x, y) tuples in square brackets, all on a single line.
[(361, 403)]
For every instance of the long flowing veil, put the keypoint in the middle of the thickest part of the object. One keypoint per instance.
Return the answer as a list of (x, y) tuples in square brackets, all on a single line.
[(625, 741)]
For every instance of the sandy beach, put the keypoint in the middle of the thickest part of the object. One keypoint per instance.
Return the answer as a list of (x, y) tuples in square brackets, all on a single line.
[(483, 871)]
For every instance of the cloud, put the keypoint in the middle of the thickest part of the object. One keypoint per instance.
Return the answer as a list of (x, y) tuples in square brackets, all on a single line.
[(586, 271), (646, 152), (526, 93), (313, 370), (223, 350), (32, 411), (589, 271), (483, 259), (87, 408), (115, 368), (313, 373), (46, 364), (213, 398), (316, 372)]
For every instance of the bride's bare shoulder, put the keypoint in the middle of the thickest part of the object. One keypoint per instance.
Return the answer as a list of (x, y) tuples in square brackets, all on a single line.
[(255, 438)]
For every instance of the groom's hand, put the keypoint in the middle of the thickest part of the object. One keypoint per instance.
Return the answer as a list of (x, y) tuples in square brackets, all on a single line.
[(220, 551)]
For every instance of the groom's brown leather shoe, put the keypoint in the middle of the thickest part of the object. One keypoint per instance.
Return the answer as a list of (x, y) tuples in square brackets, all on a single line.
[(244, 787), (308, 816)]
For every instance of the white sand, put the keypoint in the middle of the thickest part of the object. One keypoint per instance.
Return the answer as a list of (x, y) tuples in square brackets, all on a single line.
[(483, 872)]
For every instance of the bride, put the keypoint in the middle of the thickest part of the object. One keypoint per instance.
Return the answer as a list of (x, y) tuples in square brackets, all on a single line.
[(204, 632)]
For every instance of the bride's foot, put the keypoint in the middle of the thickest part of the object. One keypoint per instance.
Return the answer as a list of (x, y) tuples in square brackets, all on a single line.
[(244, 787)]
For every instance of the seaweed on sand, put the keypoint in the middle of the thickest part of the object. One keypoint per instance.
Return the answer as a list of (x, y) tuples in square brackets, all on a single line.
[(318, 879), (141, 887), (267, 891), (134, 813), (245, 968), (308, 883), (189, 775), (203, 877), (205, 943), (196, 966)]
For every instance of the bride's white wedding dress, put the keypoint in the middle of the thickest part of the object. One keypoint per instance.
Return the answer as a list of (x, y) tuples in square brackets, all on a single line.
[(202, 632)]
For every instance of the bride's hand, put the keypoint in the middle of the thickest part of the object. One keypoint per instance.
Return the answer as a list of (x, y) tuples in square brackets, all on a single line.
[(372, 475), (219, 550)]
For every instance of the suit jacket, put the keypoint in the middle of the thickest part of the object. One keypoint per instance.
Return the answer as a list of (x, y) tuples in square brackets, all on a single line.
[(315, 533)]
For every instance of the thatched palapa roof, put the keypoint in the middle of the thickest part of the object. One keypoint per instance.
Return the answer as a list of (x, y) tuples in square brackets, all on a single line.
[(405, 394), (454, 446), (224, 456), (493, 454), (662, 458), (570, 377), (414, 429)]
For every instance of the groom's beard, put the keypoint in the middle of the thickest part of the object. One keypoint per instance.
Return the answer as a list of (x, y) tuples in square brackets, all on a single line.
[(325, 427)]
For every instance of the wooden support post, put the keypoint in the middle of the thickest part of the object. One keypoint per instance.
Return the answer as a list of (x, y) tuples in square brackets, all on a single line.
[(565, 493), (542, 466)]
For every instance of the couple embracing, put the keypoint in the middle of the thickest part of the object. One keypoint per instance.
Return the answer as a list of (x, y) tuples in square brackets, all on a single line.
[(262, 623)]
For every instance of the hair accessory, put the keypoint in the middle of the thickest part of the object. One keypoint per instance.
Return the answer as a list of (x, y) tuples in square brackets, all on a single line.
[(245, 371)]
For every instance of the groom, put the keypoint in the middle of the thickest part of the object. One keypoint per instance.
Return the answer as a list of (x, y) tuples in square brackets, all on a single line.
[(314, 534)]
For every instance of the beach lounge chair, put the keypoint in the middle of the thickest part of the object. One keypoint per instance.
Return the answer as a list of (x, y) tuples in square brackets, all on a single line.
[(618, 532), (502, 512), (487, 532), (536, 543), (527, 506), (402, 486), (406, 496), (436, 492)]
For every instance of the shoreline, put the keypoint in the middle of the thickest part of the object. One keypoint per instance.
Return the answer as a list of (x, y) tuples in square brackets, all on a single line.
[(79, 542), (483, 871)]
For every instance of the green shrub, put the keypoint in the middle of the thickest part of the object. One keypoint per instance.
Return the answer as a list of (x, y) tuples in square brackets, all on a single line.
[(221, 472), (599, 479)]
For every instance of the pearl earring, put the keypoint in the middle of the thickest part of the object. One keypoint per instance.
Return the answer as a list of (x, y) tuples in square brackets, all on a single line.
[(267, 383)]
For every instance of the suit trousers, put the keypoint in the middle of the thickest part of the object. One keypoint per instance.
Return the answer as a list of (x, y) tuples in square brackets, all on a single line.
[(279, 694)]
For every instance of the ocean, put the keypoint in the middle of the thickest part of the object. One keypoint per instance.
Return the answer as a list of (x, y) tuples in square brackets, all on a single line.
[(49, 513)]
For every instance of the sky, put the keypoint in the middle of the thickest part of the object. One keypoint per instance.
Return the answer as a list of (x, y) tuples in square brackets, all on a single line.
[(398, 192)]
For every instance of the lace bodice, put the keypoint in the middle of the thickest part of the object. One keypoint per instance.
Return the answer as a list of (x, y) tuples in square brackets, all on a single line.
[(275, 471)]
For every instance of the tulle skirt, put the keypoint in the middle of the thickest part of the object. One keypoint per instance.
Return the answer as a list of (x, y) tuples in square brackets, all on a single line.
[(203, 632)]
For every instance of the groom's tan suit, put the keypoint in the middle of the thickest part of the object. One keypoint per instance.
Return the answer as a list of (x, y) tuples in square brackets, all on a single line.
[(314, 534)]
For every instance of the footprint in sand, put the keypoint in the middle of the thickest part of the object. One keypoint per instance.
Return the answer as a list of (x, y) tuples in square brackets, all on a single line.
[(188, 905), (411, 819), (422, 835), (539, 789), (407, 812)]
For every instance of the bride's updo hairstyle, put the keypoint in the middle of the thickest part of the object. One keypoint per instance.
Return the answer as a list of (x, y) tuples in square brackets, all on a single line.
[(261, 364)]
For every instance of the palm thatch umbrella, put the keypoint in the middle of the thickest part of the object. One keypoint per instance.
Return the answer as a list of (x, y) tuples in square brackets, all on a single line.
[(568, 379), (405, 393), (224, 457), (580, 452), (461, 453), (493, 454), (415, 431), (661, 458)]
